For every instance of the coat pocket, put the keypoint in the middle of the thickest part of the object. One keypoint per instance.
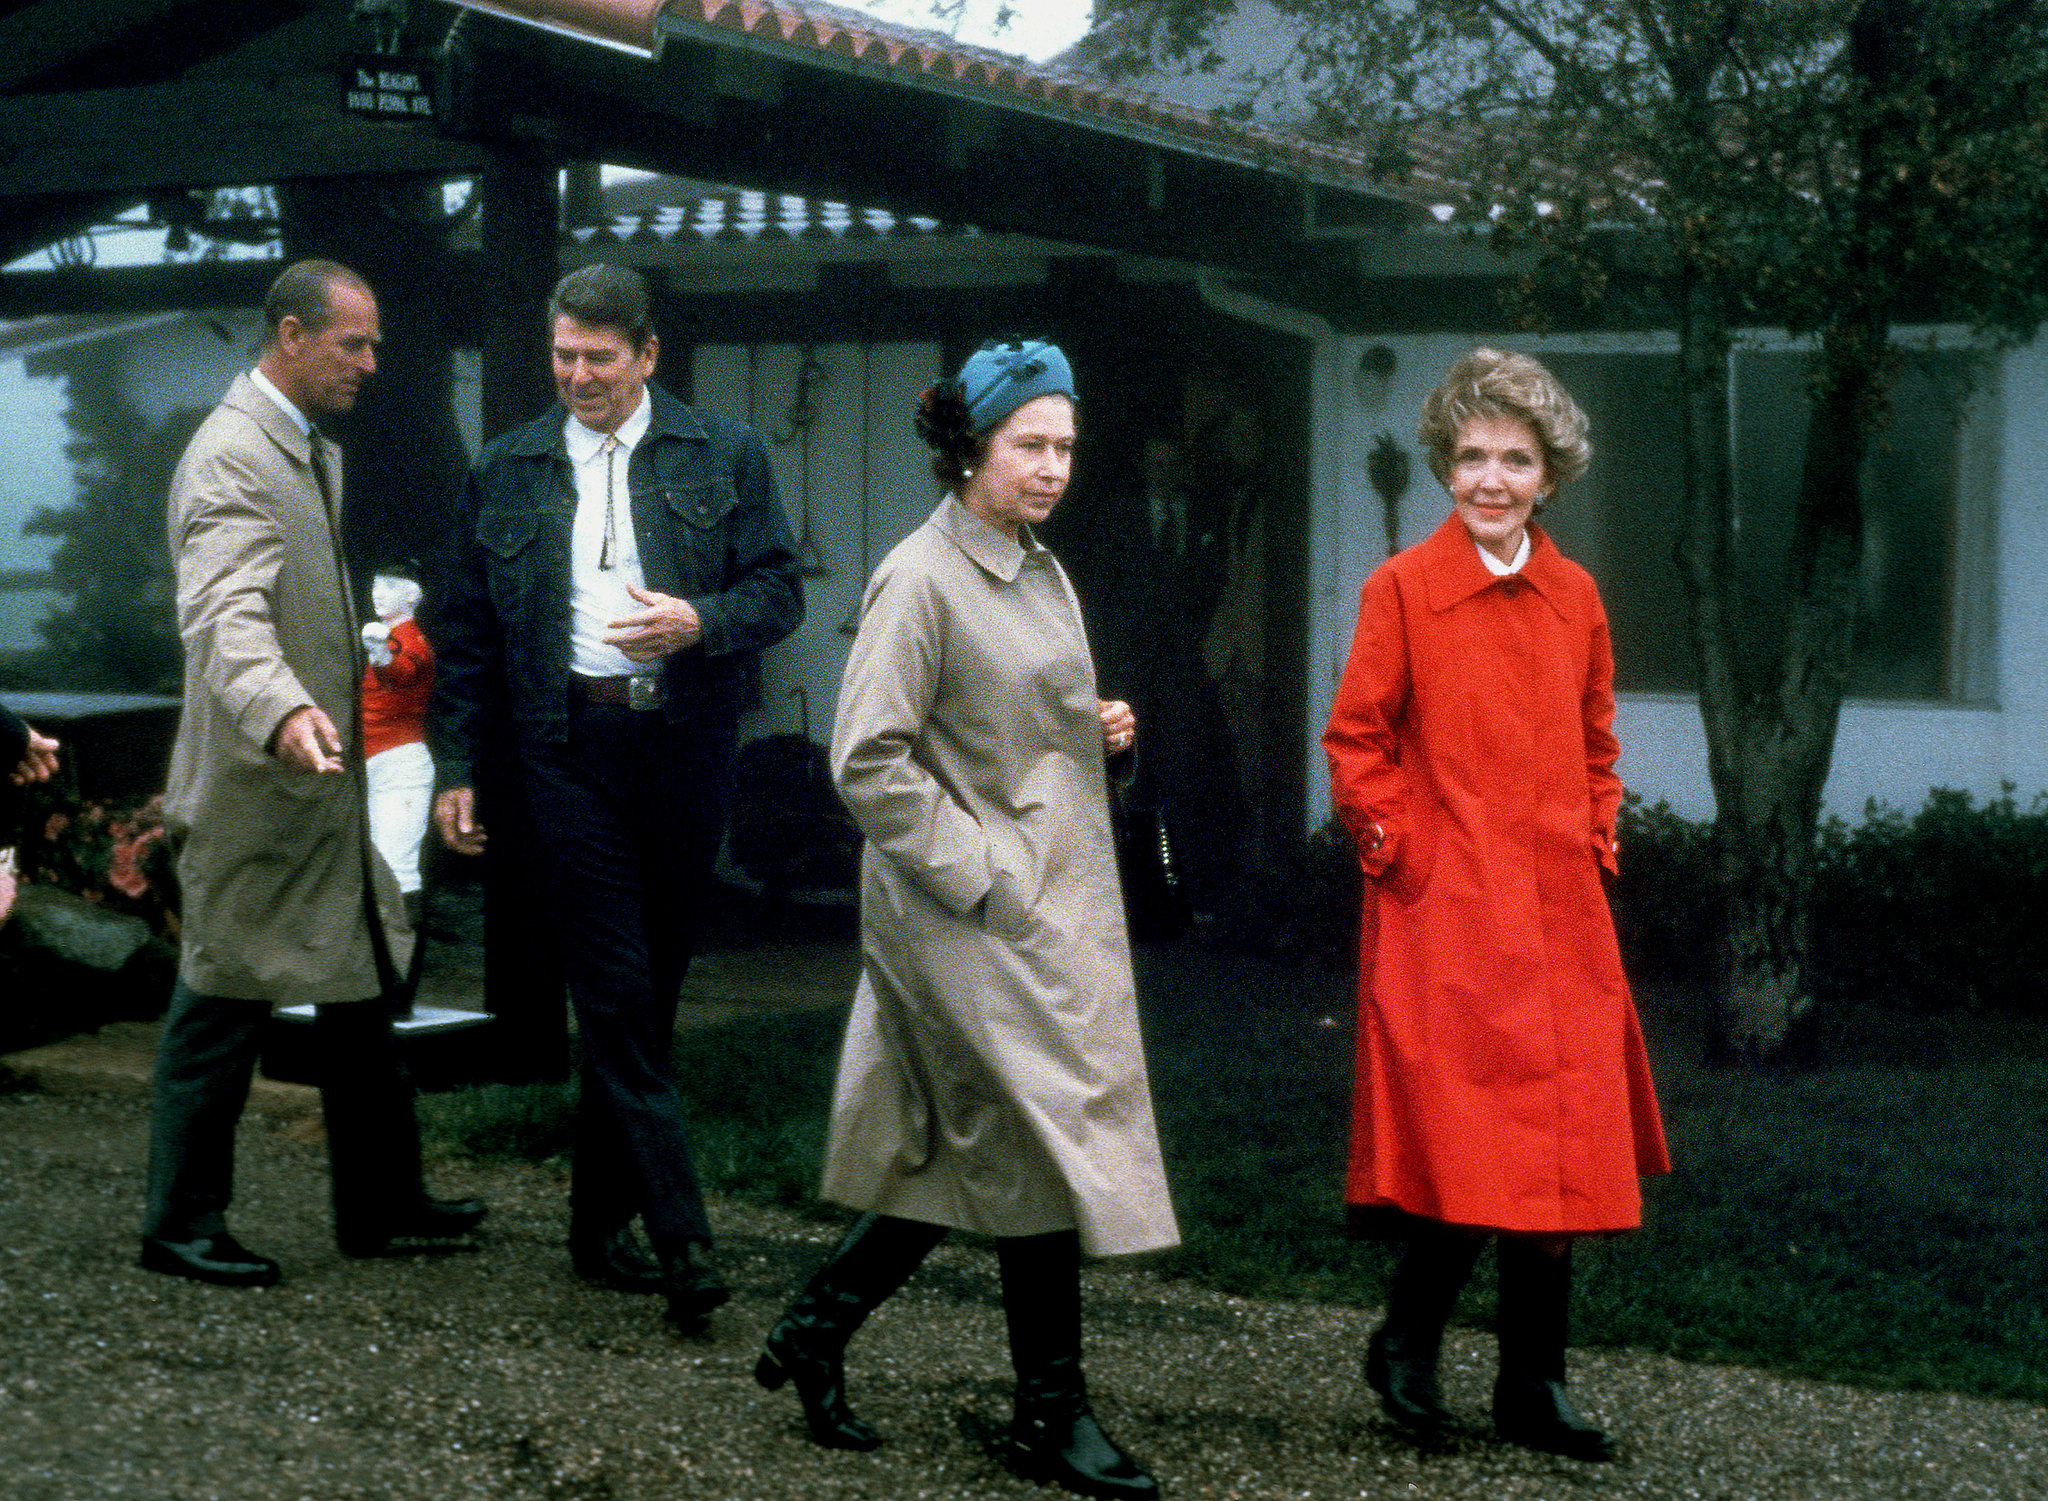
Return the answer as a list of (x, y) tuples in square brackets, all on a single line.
[(703, 505), (1414, 861), (1010, 910), (506, 540), (700, 538)]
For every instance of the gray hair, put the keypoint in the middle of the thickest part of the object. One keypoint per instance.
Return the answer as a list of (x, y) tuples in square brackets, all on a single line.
[(1497, 383), (305, 290)]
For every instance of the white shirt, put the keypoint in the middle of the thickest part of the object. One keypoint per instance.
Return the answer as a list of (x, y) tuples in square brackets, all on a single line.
[(598, 595), (299, 418), (1499, 569)]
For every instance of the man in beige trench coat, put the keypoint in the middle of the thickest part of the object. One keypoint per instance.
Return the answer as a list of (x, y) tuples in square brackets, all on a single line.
[(284, 899)]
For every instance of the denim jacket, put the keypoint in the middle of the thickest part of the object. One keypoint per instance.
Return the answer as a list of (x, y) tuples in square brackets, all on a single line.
[(710, 530)]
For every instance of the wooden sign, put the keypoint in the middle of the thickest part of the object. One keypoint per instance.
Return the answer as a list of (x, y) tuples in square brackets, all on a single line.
[(378, 87)]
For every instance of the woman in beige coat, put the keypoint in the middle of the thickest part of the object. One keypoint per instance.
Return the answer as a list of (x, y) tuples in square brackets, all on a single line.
[(993, 1078)]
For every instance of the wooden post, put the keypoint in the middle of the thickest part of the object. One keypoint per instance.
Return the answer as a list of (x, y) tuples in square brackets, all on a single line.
[(521, 261)]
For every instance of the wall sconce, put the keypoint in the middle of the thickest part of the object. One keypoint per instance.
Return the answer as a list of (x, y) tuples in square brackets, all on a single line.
[(1375, 377)]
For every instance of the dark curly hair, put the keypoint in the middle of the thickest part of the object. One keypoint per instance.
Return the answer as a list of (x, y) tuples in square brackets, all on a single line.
[(944, 424)]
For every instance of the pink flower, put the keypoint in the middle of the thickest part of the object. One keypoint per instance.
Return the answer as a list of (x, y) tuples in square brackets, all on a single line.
[(124, 871), (55, 825)]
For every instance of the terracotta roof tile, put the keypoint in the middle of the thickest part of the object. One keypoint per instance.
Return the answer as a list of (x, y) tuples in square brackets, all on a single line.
[(863, 38)]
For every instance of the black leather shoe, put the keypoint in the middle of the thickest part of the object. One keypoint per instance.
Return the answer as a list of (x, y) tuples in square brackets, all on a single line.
[(1406, 1384), (423, 1229), (615, 1261), (220, 1259), (693, 1290), (1538, 1415)]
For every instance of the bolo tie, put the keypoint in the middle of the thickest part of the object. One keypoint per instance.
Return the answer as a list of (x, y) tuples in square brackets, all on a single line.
[(605, 556)]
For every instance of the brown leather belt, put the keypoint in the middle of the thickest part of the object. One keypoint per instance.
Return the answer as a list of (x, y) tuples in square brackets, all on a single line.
[(620, 690)]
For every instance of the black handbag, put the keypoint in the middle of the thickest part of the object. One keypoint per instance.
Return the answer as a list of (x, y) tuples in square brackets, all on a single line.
[(1156, 904)]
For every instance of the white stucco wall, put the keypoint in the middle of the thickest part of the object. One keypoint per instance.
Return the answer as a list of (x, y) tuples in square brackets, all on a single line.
[(1889, 751)]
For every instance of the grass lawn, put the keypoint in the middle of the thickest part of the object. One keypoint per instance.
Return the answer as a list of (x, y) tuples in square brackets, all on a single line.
[(1877, 1219)]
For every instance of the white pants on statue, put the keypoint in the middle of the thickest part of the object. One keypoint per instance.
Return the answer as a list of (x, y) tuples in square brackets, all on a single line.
[(401, 790)]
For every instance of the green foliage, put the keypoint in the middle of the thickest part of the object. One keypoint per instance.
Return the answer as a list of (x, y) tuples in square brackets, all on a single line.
[(1796, 156), (1939, 911), (1307, 909), (1664, 902), (1876, 1222), (1870, 1223), (527, 1122), (758, 1093), (120, 630)]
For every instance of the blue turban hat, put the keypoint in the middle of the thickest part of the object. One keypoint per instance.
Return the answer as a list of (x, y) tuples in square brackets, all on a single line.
[(999, 378)]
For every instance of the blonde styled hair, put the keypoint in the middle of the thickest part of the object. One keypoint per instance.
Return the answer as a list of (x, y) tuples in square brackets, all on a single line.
[(1499, 383)]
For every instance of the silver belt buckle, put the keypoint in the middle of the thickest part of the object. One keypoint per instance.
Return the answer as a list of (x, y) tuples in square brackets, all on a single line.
[(645, 691)]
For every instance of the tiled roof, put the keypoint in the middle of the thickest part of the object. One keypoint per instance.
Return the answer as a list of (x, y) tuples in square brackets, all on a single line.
[(702, 214), (856, 40)]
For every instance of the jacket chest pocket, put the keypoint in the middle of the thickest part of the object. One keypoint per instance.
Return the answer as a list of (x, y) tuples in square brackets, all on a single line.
[(512, 558), (700, 515)]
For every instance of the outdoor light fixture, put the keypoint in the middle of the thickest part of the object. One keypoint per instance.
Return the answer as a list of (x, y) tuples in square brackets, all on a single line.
[(1375, 377)]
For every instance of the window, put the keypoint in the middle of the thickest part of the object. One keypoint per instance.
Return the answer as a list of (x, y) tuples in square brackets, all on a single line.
[(1924, 621)]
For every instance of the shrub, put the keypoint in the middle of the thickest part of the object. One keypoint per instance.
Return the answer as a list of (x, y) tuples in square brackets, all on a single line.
[(1936, 911), (1665, 906), (1307, 910), (1939, 911), (112, 854)]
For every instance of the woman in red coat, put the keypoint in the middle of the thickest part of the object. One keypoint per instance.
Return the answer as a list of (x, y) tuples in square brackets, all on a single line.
[(1502, 1087)]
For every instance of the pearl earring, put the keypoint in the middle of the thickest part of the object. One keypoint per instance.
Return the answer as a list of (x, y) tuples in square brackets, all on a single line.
[(967, 474)]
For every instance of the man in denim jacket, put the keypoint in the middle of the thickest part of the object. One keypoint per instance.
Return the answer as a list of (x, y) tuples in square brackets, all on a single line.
[(617, 565)]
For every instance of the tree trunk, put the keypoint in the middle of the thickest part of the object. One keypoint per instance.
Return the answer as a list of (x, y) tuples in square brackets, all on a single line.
[(1770, 744)]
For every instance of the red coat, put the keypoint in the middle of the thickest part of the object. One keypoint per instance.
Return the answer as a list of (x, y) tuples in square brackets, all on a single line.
[(1501, 1075)]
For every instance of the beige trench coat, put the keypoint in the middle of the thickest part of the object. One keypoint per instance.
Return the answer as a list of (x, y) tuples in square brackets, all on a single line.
[(993, 1077), (273, 861)]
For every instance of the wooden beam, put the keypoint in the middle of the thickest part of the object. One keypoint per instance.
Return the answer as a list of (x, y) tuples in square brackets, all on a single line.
[(122, 41), (197, 284), (219, 133)]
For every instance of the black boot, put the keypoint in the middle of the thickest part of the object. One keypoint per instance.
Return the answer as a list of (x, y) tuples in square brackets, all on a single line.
[(1055, 1431), (807, 1346), (1530, 1407), (1401, 1356)]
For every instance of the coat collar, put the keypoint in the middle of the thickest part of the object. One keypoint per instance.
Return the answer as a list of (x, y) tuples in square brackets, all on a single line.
[(542, 437), (246, 397), (996, 552), (1452, 572)]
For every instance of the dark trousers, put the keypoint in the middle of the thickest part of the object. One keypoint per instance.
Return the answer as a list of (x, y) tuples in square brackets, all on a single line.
[(203, 1067), (627, 815)]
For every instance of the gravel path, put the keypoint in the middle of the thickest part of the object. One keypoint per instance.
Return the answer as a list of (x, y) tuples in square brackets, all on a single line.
[(498, 1375)]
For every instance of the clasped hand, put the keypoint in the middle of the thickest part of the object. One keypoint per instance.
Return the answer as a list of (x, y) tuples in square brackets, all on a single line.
[(1119, 725), (665, 627)]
